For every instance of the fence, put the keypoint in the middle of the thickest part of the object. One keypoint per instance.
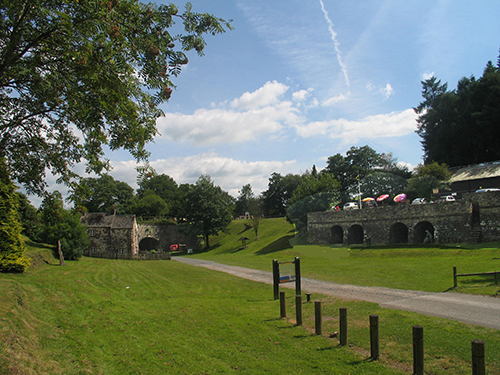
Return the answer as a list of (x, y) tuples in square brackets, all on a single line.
[(478, 362), (456, 275), (143, 256)]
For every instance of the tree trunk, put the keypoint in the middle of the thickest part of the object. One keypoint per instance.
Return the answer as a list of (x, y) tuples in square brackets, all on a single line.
[(61, 257)]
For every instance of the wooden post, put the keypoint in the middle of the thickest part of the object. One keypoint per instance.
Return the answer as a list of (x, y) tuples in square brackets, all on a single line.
[(298, 288), (276, 278), (61, 256), (298, 309), (343, 325), (282, 304), (418, 350), (318, 317), (374, 340), (455, 277), (478, 362), (308, 297)]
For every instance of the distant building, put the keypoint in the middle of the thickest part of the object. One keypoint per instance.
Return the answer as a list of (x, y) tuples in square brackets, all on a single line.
[(120, 237), (111, 233), (468, 179)]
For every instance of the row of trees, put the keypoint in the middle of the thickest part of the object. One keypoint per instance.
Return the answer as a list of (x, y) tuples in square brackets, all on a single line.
[(461, 126)]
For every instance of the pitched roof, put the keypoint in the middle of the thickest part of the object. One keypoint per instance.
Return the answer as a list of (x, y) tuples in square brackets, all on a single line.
[(112, 221), (475, 172)]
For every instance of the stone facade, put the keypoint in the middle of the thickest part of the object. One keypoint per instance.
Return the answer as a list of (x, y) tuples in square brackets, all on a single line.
[(120, 237), (475, 217)]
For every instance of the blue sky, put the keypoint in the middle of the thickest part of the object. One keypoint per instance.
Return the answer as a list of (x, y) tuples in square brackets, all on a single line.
[(298, 81)]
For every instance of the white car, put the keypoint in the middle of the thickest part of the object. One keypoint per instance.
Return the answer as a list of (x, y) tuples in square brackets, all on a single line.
[(351, 206), (419, 201), (486, 190), (447, 198)]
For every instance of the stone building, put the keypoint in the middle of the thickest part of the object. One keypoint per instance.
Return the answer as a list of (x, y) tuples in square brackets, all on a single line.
[(120, 237), (474, 218)]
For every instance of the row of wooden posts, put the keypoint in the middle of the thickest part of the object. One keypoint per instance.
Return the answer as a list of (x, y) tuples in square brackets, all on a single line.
[(477, 346)]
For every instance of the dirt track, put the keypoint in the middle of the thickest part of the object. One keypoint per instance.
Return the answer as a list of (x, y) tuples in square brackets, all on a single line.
[(471, 309)]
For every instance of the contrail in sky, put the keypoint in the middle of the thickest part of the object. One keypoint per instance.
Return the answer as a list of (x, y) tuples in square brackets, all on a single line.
[(335, 43)]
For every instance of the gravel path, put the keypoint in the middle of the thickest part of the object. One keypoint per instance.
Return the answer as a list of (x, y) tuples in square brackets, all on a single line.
[(466, 308)]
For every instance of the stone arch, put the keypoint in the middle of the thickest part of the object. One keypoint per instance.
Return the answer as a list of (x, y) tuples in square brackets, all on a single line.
[(420, 232), (337, 234), (398, 233), (355, 234), (148, 244)]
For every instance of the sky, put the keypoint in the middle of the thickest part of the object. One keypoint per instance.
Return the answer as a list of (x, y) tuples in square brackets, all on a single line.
[(298, 81)]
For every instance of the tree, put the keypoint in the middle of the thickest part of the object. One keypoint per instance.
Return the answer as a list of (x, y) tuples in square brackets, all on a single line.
[(207, 208), (12, 247), (164, 187), (150, 205), (103, 194), (356, 165), (243, 201), (315, 193), (279, 192), (428, 177), (29, 218), (460, 127), (63, 226), (76, 76)]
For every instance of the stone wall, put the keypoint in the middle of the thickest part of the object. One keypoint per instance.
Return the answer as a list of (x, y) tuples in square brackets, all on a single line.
[(447, 222), (165, 235)]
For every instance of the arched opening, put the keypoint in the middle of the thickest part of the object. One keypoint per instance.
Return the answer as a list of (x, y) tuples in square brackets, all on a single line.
[(398, 233), (337, 234), (148, 244), (423, 233), (355, 235)]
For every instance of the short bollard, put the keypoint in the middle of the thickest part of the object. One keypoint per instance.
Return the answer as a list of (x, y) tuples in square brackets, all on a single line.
[(374, 341), (318, 317), (478, 362), (298, 309), (343, 325), (282, 304), (308, 297), (418, 350)]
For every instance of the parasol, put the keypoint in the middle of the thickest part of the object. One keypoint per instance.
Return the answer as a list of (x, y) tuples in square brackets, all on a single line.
[(399, 198), (368, 199), (382, 197)]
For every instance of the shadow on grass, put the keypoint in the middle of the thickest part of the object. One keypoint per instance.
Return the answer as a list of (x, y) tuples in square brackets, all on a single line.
[(278, 245)]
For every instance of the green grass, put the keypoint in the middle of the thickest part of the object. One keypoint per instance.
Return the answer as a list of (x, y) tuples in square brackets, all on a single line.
[(416, 268), (100, 316)]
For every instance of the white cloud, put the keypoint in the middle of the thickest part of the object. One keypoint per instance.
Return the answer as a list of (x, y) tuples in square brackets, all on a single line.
[(393, 124), (301, 95), (221, 126), (334, 100), (268, 94), (386, 91), (427, 75), (226, 172)]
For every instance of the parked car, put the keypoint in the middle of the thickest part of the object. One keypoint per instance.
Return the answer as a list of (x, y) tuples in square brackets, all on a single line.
[(447, 198), (351, 206), (486, 190), (419, 201)]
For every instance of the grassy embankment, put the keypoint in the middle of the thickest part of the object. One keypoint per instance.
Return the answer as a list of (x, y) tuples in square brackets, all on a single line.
[(104, 316), (416, 268)]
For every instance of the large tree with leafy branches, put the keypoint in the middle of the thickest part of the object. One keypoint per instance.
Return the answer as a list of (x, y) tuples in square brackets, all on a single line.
[(79, 76)]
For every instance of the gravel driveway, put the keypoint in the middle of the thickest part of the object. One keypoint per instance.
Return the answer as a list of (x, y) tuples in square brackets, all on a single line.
[(466, 308)]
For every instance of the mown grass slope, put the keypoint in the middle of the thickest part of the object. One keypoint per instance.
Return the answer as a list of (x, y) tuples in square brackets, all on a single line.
[(416, 268)]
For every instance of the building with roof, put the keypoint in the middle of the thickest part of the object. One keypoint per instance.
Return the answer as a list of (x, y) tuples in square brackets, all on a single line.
[(468, 179), (120, 237)]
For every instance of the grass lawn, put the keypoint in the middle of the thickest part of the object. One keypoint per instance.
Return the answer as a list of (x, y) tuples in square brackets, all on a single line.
[(424, 268), (101, 316)]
